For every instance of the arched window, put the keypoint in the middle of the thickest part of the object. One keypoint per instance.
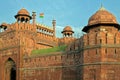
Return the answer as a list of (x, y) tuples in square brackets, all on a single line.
[(26, 20), (22, 19)]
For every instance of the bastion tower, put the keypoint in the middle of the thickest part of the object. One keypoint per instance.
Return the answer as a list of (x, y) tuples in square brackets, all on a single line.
[(17, 40), (101, 47)]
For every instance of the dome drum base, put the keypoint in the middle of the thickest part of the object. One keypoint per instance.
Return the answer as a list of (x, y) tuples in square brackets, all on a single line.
[(87, 28)]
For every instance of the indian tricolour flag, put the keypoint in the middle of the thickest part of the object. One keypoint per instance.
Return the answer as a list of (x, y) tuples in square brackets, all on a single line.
[(41, 15)]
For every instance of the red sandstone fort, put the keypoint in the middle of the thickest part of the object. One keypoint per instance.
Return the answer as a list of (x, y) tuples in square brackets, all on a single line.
[(93, 56)]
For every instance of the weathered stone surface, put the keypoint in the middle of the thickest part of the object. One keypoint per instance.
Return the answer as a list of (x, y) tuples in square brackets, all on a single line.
[(93, 56)]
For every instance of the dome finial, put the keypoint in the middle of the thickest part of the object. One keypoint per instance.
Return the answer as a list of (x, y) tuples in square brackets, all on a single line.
[(102, 7)]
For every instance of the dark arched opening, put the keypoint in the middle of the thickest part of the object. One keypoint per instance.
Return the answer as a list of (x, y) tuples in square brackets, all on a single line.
[(10, 70), (22, 19), (26, 20), (13, 74)]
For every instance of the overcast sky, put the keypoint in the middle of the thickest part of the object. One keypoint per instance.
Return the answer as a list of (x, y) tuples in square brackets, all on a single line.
[(74, 13)]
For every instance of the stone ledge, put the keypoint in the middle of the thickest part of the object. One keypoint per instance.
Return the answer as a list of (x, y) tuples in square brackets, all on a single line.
[(86, 64), (101, 45)]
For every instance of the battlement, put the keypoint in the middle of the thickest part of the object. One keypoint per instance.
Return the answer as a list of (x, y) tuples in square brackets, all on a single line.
[(53, 60), (23, 26), (101, 38), (43, 26)]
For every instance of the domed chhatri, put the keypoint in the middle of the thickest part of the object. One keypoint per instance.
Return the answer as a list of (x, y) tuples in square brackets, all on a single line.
[(67, 31), (23, 16), (23, 11), (102, 16), (4, 26)]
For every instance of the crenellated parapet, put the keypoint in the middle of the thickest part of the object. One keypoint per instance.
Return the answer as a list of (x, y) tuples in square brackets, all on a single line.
[(55, 59), (101, 38), (23, 26), (45, 36), (41, 28)]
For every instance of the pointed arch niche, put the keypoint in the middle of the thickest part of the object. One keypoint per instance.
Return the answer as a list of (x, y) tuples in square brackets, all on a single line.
[(10, 69)]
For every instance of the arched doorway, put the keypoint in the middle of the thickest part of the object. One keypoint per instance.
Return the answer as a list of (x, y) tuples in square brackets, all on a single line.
[(10, 70)]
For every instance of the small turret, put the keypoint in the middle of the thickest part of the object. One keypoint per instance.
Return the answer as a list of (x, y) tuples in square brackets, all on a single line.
[(34, 17), (54, 27), (67, 32), (3, 27)]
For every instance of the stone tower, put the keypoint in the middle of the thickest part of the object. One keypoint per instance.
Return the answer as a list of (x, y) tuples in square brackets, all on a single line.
[(101, 47)]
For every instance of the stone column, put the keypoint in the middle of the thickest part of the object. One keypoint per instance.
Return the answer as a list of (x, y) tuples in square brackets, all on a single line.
[(34, 17)]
